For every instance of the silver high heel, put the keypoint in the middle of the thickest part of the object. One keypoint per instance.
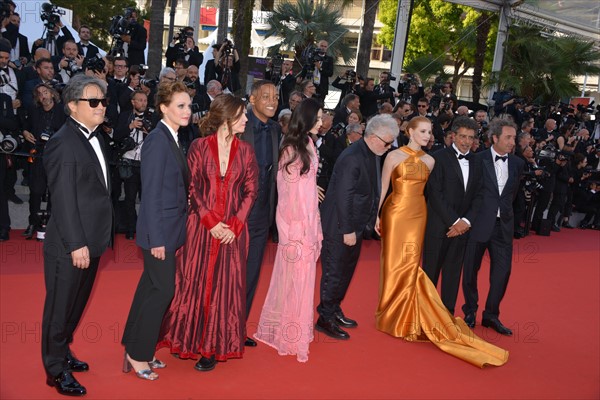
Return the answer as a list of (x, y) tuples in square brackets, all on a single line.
[(157, 364), (142, 374)]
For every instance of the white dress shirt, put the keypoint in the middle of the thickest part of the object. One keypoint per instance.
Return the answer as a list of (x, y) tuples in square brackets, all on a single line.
[(96, 146)]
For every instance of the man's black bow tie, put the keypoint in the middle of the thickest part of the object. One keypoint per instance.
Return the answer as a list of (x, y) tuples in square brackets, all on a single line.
[(461, 156), (5, 69), (84, 45), (503, 158)]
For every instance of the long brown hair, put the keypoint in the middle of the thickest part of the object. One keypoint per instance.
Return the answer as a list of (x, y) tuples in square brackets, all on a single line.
[(224, 108)]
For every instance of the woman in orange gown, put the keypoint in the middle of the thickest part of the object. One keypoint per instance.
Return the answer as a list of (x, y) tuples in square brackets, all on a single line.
[(409, 305)]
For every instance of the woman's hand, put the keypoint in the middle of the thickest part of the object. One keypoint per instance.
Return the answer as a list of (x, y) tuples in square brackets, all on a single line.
[(228, 237), (378, 226), (218, 231)]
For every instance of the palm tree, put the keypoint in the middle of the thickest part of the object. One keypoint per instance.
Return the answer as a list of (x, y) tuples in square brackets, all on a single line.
[(242, 29), (155, 37), (366, 38), (304, 23), (543, 69)]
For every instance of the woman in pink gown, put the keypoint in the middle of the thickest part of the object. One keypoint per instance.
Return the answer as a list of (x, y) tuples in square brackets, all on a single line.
[(286, 321)]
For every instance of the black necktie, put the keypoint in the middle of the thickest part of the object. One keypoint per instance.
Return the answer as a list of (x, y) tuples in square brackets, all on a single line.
[(503, 158)]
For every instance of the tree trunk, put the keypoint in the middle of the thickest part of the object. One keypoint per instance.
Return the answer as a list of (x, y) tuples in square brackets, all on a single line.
[(155, 37), (223, 25), (483, 30), (366, 38), (242, 29)]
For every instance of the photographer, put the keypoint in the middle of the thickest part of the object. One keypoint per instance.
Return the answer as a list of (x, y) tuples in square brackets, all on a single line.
[(228, 67), (84, 47), (349, 85), (279, 71), (183, 46), (318, 67), (561, 187), (132, 128), (71, 62), (56, 35), (349, 104), (45, 72), (410, 87), (43, 119), (547, 159), (11, 80), (528, 187), (19, 43), (135, 42), (127, 90), (369, 98)]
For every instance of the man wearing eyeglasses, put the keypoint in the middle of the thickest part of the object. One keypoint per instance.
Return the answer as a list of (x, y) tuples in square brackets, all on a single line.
[(79, 229), (347, 214)]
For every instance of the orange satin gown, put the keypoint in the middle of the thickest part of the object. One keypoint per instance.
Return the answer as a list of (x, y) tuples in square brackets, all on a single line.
[(409, 304)]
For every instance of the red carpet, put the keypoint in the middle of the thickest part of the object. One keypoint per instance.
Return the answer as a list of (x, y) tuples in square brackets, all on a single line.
[(552, 305)]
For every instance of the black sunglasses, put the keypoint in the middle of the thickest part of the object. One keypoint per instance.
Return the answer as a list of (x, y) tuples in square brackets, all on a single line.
[(387, 144), (94, 102)]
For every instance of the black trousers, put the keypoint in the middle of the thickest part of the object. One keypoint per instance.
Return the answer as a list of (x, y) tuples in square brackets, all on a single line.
[(37, 187), (133, 187), (543, 199), (338, 262), (68, 289), (559, 200), (150, 302), (500, 253), (4, 216), (445, 256), (258, 231)]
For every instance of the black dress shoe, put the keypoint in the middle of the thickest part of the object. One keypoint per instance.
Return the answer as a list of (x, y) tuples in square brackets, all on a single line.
[(344, 321), (15, 199), (4, 235), (66, 384), (565, 224), (28, 233), (250, 342), (555, 228), (470, 320), (206, 364), (330, 328), (76, 365), (496, 325)]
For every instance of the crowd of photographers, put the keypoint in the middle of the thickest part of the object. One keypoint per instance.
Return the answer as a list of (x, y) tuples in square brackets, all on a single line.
[(560, 144)]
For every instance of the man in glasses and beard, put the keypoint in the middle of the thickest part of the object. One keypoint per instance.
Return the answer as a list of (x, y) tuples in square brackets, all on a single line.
[(79, 229)]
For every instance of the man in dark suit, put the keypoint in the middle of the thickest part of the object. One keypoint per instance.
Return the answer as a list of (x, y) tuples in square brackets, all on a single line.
[(55, 39), (136, 42), (18, 42), (352, 133), (350, 104), (84, 47), (321, 71), (263, 134), (450, 190), (493, 224), (79, 230), (347, 213), (45, 72)]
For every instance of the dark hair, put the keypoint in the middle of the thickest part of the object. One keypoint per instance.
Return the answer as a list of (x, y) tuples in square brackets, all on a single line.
[(464, 122), (225, 108), (55, 95), (304, 117), (86, 27), (136, 92), (38, 63), (73, 91), (259, 84), (165, 93), (495, 127)]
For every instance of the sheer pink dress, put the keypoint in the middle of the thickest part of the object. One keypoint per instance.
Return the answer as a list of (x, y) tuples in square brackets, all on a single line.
[(287, 318)]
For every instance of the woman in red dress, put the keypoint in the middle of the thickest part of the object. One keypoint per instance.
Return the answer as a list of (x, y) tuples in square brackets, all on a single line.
[(207, 317)]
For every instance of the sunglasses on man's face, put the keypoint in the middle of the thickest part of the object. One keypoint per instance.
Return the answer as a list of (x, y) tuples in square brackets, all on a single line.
[(94, 102)]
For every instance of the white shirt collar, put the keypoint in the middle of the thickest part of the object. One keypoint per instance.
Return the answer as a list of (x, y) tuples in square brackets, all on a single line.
[(84, 129), (457, 151), (494, 154), (173, 133)]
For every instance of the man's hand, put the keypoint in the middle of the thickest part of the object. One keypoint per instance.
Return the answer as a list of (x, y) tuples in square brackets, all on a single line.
[(136, 124), (79, 60), (320, 193), (459, 228), (16, 103), (64, 63), (378, 226), (29, 137), (81, 257), (126, 38), (158, 252), (350, 239)]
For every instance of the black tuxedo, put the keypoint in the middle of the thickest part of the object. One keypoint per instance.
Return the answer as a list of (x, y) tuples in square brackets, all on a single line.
[(161, 222), (341, 115), (91, 50), (263, 210), (350, 205), (81, 216), (492, 233), (193, 56), (135, 49), (447, 201)]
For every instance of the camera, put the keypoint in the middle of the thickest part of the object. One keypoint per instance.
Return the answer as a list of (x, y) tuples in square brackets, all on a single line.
[(350, 73), (149, 83), (56, 85), (95, 63), (72, 66), (51, 16), (228, 46), (120, 25), (182, 35), (9, 142), (142, 68), (46, 134), (276, 63), (146, 119), (189, 84), (338, 129)]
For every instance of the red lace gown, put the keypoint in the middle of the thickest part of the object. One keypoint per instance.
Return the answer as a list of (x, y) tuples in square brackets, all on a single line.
[(208, 313)]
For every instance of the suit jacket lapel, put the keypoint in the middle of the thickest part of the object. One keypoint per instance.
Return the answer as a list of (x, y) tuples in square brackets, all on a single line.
[(92, 154), (488, 164), (178, 157), (456, 164)]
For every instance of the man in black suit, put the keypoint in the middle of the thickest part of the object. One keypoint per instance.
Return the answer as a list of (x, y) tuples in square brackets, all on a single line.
[(80, 227), (136, 42), (450, 190), (347, 213), (263, 134), (45, 72), (352, 133), (321, 71), (55, 39), (19, 42), (350, 104), (493, 224), (84, 47)]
